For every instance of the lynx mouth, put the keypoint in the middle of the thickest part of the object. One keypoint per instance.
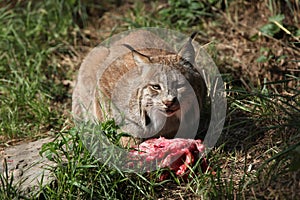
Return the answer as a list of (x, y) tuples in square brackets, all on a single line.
[(170, 107), (171, 111)]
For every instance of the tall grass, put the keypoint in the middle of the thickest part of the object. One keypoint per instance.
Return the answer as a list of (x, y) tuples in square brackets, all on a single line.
[(31, 33)]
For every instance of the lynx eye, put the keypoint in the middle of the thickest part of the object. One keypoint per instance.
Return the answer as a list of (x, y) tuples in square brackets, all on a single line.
[(155, 87)]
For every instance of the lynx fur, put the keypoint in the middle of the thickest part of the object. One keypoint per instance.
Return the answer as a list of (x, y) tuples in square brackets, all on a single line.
[(144, 85)]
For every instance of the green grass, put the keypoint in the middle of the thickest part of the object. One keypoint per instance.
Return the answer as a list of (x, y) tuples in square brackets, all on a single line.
[(259, 146), (176, 15), (79, 175), (82, 176), (31, 34), (7, 188)]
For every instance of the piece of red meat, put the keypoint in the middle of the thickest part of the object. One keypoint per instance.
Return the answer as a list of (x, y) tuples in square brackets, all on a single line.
[(176, 154)]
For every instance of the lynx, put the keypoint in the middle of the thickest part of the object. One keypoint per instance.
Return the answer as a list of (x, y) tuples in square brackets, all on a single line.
[(140, 81)]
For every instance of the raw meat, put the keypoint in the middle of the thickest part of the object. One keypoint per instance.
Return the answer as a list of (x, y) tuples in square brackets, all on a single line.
[(176, 154)]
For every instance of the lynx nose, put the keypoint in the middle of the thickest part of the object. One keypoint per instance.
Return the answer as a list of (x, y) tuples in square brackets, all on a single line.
[(170, 101)]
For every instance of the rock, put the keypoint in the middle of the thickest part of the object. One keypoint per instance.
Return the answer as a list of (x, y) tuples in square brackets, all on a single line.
[(24, 164)]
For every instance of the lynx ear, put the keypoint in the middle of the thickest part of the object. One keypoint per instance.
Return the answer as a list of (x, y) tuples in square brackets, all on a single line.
[(142, 61), (138, 57), (187, 51)]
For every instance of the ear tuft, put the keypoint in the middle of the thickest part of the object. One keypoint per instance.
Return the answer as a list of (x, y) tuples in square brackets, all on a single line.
[(187, 51), (138, 57)]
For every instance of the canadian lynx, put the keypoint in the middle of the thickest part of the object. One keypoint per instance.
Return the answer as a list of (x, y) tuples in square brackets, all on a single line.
[(140, 82)]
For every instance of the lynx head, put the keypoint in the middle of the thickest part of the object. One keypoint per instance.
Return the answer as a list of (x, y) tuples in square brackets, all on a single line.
[(161, 94), (165, 95)]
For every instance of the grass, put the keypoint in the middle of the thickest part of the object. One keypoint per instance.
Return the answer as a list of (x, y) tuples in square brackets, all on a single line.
[(86, 177), (258, 151), (7, 188), (178, 15), (31, 33)]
